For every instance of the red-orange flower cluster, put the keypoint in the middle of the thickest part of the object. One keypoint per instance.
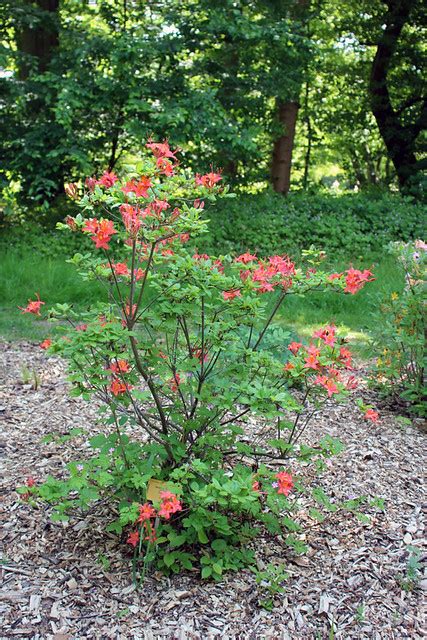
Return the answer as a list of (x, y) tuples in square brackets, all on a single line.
[(356, 279), (169, 504), (118, 387), (174, 382), (131, 217), (165, 157), (101, 232), (267, 274), (230, 295), (285, 482), (139, 188), (121, 366), (33, 306), (372, 415), (208, 180), (324, 358)]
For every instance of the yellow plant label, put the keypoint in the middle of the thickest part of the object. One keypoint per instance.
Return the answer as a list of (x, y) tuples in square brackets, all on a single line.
[(154, 488)]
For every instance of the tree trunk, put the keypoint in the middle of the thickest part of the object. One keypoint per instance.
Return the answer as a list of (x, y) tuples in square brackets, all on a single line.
[(37, 42), (371, 175), (40, 41), (283, 146), (309, 136), (398, 138), (287, 111)]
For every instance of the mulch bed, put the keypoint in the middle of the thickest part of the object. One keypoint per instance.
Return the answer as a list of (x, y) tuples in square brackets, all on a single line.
[(72, 580)]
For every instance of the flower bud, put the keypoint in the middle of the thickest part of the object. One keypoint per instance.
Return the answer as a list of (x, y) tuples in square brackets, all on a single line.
[(71, 190)]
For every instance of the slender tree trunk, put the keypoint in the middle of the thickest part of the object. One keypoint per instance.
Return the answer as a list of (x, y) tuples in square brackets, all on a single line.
[(399, 138), (115, 138), (231, 169), (371, 175), (359, 175), (388, 175), (283, 146), (309, 136)]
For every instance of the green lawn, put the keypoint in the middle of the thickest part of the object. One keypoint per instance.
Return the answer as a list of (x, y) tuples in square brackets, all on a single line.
[(56, 281), (353, 314)]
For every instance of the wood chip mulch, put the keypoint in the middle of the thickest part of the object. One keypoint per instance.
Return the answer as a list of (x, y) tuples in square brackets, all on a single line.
[(72, 580)]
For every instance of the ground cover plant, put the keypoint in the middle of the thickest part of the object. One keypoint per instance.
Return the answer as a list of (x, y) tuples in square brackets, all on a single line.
[(185, 348), (346, 224), (342, 224)]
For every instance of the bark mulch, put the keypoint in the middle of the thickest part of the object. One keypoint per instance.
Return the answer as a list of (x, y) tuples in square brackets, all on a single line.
[(72, 580)]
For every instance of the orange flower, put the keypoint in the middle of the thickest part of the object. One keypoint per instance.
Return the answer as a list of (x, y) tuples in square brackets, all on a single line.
[(174, 382), (33, 306), (356, 279), (161, 149), (327, 335), (245, 258), (233, 293), (133, 538), (117, 387), (101, 231), (146, 511), (121, 366), (372, 415), (285, 482), (120, 268), (107, 179), (295, 347), (328, 384), (169, 505), (209, 180), (345, 357)]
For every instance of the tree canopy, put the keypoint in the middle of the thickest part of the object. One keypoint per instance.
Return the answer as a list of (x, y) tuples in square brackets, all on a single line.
[(283, 92)]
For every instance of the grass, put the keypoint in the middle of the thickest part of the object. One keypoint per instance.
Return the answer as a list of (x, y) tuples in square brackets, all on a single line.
[(355, 315), (56, 281)]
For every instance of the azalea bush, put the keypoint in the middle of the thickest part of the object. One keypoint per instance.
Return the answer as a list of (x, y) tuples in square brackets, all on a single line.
[(203, 398), (400, 342)]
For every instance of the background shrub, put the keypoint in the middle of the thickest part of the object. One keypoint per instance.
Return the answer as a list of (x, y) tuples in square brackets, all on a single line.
[(350, 223)]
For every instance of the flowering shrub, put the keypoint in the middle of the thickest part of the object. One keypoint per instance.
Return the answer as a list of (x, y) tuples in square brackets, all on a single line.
[(400, 341), (180, 358)]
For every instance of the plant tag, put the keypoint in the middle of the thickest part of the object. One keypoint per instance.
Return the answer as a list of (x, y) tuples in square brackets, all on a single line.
[(154, 488)]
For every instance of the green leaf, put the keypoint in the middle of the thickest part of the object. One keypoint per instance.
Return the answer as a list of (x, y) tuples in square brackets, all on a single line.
[(98, 441), (218, 545), (203, 538), (177, 540), (169, 559)]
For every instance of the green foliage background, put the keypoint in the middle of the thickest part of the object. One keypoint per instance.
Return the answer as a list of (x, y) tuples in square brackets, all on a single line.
[(209, 76)]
